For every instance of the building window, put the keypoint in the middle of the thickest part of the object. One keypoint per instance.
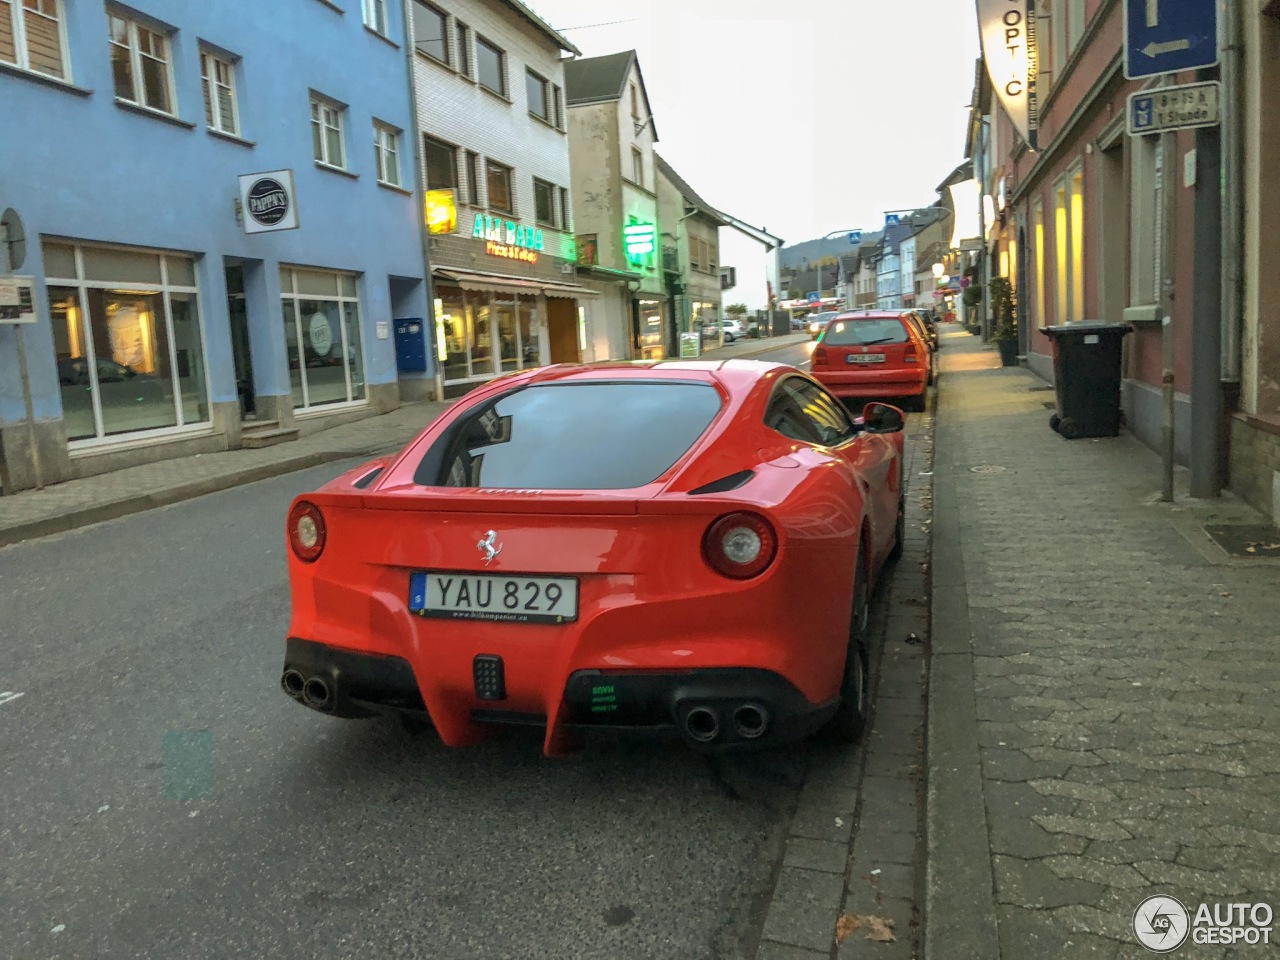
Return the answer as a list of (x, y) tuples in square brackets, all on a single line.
[(1077, 243), (126, 332), (712, 256), (474, 321), (544, 202), (430, 31), (375, 16), (1037, 233), (1075, 24), (498, 181), (442, 164), (463, 45), (564, 209), (217, 76), (537, 90), (326, 134), (473, 178), (696, 258), (1146, 205), (140, 65), (558, 104), (491, 67), (32, 36), (322, 336), (386, 153), (1061, 250), (637, 166), (635, 102)]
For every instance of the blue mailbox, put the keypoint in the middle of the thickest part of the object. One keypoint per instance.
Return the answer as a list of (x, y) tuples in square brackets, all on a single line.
[(411, 345)]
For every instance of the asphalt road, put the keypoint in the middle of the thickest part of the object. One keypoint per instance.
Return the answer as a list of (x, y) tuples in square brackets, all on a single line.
[(163, 799)]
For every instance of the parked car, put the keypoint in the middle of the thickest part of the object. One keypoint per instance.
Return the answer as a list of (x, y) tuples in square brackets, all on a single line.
[(605, 547), (819, 320), (733, 329), (874, 353), (927, 327)]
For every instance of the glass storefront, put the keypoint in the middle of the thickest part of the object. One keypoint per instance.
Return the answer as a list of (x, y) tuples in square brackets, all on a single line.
[(652, 334), (486, 333), (321, 313), (126, 332)]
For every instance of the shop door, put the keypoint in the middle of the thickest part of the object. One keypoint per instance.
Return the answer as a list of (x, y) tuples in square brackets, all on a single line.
[(562, 330), (243, 357)]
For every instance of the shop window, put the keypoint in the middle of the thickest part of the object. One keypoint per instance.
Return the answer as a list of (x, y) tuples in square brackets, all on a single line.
[(386, 153), (504, 318), (140, 64), (538, 92), (327, 136), (1077, 243), (322, 337), (32, 36), (544, 202), (491, 67), (498, 179), (217, 77), (1061, 250), (485, 333), (430, 31), (442, 164), (127, 339), (1037, 233)]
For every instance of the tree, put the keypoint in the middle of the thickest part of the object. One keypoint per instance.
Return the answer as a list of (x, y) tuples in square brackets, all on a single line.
[(736, 309)]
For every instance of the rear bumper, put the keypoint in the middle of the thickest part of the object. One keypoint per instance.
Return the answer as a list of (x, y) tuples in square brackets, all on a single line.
[(708, 708), (873, 383)]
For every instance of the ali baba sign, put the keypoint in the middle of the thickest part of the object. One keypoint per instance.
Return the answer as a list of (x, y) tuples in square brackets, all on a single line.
[(503, 238)]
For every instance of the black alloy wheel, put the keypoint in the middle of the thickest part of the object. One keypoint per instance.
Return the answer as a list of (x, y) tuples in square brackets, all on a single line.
[(850, 718), (899, 530)]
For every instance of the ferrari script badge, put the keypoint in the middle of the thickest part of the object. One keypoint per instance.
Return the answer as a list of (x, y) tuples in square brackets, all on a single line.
[(490, 547)]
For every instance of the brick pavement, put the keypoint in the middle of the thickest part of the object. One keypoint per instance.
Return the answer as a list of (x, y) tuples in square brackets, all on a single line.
[(1104, 706), (76, 503)]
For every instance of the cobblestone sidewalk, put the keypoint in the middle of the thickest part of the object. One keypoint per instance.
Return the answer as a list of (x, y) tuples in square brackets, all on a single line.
[(77, 503), (1104, 708)]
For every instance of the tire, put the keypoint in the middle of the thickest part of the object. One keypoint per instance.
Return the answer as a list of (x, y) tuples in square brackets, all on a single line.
[(917, 403), (1068, 429), (850, 718), (1054, 422), (899, 531)]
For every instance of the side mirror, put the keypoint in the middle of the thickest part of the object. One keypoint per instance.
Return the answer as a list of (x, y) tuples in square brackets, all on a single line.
[(882, 418)]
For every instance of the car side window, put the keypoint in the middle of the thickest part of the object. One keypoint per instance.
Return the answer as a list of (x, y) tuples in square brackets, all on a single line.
[(782, 416), (828, 418)]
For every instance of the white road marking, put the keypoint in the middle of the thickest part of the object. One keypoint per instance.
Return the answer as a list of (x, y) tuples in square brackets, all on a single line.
[(59, 928), (7, 696)]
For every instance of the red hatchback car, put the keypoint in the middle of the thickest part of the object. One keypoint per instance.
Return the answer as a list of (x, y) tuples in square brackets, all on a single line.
[(873, 353), (675, 546)]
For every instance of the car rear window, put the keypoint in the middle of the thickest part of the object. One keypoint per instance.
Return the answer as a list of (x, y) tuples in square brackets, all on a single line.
[(577, 436), (864, 331)]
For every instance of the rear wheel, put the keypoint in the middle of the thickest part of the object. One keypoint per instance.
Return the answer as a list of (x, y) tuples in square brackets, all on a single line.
[(851, 716), (916, 404)]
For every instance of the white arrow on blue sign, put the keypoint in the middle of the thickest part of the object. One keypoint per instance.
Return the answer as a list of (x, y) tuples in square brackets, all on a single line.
[(1165, 36)]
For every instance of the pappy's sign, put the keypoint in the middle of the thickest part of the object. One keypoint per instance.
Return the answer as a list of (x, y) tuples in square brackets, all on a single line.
[(1009, 49)]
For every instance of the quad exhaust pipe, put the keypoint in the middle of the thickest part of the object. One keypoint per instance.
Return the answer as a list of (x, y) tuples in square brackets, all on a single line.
[(750, 722), (315, 692)]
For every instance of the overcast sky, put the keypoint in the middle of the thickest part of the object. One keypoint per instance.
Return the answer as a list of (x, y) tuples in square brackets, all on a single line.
[(803, 116)]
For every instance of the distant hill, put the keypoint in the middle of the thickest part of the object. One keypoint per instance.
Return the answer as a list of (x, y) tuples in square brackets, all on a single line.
[(797, 255)]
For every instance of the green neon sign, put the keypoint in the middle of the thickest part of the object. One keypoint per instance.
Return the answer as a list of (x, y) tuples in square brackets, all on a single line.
[(639, 240)]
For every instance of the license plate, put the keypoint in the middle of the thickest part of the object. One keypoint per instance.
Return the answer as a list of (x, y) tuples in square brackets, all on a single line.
[(497, 597), (865, 358)]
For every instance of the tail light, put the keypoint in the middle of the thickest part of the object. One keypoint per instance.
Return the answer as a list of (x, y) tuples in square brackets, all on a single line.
[(909, 354), (740, 545), (819, 357), (306, 531)]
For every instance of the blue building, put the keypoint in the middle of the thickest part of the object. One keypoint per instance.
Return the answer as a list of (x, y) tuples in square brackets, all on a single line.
[(215, 203)]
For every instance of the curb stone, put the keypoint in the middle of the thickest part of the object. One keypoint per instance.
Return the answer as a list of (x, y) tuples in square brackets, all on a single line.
[(860, 807)]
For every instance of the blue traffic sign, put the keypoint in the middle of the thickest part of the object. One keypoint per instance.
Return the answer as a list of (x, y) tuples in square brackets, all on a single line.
[(855, 236), (814, 297), (890, 219), (1165, 36)]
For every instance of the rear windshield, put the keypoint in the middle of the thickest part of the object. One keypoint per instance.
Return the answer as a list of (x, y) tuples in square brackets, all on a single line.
[(871, 330), (583, 436)]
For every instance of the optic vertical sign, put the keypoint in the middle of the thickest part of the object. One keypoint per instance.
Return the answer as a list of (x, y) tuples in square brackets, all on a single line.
[(1009, 48)]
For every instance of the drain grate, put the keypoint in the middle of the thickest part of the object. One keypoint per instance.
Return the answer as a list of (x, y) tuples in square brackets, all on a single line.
[(1253, 540)]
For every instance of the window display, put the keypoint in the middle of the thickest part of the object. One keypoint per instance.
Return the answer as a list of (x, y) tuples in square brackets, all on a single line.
[(321, 315), (127, 336)]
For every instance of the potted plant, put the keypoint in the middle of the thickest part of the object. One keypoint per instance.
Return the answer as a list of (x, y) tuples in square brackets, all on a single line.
[(1005, 332)]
